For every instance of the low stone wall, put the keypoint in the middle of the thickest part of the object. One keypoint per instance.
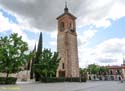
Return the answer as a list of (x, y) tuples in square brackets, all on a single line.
[(21, 76)]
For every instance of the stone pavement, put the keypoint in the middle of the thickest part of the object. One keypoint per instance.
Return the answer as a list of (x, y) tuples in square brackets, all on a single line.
[(88, 86)]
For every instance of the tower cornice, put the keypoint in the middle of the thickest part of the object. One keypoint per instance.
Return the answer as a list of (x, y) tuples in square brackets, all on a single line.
[(69, 14)]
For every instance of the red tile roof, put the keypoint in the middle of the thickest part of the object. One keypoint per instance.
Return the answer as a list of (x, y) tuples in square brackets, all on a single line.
[(116, 67)]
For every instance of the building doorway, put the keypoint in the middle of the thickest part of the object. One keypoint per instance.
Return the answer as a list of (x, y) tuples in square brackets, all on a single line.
[(61, 73)]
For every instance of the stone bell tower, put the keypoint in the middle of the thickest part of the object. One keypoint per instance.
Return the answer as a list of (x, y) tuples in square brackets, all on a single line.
[(67, 45)]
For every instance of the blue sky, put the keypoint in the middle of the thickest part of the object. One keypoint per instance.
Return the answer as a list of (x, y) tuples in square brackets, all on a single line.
[(100, 27), (116, 30), (11, 18)]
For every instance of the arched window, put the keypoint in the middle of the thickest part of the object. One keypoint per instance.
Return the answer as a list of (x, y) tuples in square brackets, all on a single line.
[(62, 26), (71, 27), (118, 72), (63, 66), (111, 72)]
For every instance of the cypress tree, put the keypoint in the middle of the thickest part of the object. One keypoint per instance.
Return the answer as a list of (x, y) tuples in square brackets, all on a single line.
[(33, 62), (38, 53)]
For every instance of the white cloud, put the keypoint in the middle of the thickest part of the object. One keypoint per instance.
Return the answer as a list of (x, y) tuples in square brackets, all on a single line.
[(53, 34), (53, 41), (102, 23), (5, 25), (114, 45), (117, 11), (100, 12), (85, 56), (109, 52), (41, 15), (85, 38)]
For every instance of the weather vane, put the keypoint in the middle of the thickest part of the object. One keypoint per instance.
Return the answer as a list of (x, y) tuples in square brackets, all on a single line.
[(65, 3)]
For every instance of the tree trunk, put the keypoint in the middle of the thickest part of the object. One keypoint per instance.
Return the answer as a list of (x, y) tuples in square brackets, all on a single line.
[(7, 75)]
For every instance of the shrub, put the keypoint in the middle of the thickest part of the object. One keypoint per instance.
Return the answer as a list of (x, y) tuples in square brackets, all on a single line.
[(83, 79), (61, 79), (2, 80), (76, 79), (73, 79), (9, 80), (52, 79)]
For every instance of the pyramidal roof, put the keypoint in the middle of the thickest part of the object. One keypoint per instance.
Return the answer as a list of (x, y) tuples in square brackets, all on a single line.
[(66, 12)]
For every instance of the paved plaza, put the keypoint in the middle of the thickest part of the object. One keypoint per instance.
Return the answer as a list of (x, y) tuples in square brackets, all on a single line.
[(88, 86)]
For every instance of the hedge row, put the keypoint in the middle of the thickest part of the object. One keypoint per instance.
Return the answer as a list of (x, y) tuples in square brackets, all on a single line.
[(74, 79), (53, 79), (60, 79), (9, 80)]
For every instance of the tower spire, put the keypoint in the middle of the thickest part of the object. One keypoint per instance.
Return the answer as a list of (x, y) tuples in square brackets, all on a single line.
[(66, 9), (65, 4)]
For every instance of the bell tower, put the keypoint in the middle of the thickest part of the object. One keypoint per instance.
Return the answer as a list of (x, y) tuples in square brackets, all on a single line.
[(67, 45)]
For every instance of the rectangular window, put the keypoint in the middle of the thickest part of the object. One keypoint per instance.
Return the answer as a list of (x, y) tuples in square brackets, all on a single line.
[(63, 66)]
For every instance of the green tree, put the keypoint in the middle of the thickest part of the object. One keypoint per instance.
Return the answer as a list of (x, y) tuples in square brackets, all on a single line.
[(103, 70), (93, 69), (30, 56), (39, 48), (48, 63), (83, 73), (38, 53), (32, 62), (12, 53)]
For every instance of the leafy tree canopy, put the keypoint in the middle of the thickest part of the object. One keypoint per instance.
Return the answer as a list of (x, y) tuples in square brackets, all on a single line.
[(12, 53), (103, 70), (96, 69), (48, 63), (93, 68)]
